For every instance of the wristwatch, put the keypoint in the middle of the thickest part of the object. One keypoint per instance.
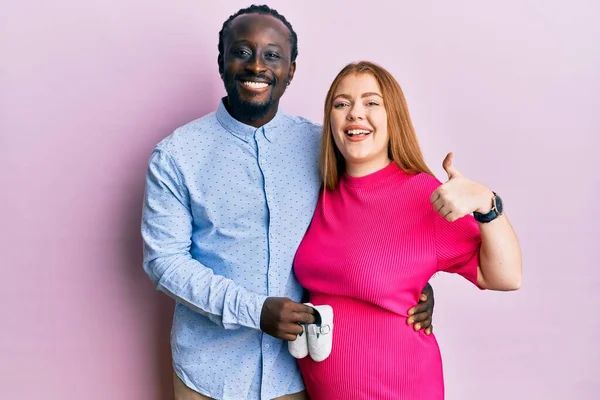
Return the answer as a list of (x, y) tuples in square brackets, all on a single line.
[(494, 213)]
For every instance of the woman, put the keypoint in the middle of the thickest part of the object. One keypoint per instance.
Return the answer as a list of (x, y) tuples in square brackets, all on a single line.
[(383, 226)]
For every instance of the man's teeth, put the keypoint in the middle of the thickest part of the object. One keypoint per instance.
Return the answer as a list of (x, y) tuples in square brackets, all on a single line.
[(353, 132), (255, 85)]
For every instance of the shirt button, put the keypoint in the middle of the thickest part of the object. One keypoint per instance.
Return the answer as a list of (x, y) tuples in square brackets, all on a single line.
[(267, 346)]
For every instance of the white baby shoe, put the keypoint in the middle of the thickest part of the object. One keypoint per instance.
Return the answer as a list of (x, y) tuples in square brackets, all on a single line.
[(320, 334), (299, 347)]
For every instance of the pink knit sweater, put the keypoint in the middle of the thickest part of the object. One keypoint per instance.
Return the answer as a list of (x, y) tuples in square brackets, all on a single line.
[(373, 244)]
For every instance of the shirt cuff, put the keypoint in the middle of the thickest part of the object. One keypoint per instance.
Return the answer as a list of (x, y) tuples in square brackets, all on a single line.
[(246, 313)]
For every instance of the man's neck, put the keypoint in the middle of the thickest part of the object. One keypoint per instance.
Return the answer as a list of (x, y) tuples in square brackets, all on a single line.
[(258, 122)]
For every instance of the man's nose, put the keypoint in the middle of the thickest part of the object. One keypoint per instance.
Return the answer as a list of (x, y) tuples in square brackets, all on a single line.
[(256, 64)]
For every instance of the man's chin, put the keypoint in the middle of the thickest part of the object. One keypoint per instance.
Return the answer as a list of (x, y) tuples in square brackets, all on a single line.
[(254, 99), (249, 109)]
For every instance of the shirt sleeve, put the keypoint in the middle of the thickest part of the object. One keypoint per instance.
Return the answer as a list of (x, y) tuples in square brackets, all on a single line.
[(167, 236), (457, 245)]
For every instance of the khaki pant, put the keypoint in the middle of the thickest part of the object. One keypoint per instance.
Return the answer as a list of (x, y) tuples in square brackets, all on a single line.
[(183, 392)]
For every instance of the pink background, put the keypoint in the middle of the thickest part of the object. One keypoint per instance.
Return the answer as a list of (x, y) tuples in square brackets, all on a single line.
[(87, 88)]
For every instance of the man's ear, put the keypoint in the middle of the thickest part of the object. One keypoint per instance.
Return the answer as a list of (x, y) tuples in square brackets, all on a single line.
[(221, 66), (291, 72)]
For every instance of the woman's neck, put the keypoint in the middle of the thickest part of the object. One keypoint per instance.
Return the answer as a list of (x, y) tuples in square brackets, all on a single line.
[(362, 169)]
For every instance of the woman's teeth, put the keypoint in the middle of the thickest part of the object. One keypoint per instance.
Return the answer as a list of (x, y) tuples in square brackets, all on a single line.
[(353, 132)]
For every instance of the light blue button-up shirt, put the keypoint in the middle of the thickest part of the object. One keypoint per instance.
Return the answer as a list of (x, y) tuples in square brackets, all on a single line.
[(225, 209)]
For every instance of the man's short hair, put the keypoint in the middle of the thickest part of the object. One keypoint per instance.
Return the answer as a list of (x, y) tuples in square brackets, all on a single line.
[(263, 10)]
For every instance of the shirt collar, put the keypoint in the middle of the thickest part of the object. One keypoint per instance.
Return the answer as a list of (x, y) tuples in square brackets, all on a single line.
[(246, 132)]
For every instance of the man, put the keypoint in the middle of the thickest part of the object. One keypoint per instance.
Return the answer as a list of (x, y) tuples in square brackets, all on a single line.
[(228, 199)]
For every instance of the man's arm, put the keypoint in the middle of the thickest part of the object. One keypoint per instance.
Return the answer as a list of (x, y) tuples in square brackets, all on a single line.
[(421, 316), (167, 231)]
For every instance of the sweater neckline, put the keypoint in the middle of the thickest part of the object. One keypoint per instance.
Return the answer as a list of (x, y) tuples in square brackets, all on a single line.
[(374, 177)]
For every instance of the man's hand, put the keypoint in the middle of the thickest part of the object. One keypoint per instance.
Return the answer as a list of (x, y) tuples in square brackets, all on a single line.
[(280, 317), (421, 315)]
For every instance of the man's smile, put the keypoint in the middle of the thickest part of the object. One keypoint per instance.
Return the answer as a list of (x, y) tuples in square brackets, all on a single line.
[(255, 85)]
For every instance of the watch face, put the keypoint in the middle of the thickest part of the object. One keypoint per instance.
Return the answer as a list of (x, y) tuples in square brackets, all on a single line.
[(498, 205)]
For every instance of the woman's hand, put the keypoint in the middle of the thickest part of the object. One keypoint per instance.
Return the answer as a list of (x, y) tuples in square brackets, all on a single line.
[(460, 196)]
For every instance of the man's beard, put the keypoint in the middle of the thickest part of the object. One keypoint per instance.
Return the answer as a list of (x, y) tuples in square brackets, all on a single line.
[(246, 110)]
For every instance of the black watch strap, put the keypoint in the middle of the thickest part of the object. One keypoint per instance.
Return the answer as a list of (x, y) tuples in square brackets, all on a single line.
[(494, 213)]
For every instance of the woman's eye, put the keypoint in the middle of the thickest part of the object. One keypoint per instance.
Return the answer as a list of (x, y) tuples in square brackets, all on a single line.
[(372, 104), (340, 105)]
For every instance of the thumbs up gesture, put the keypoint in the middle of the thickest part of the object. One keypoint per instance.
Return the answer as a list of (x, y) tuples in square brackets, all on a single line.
[(459, 195)]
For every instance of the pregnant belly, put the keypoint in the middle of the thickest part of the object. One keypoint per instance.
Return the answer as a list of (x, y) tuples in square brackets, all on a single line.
[(375, 355)]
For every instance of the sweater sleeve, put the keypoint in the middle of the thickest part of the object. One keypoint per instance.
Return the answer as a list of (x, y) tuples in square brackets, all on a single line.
[(457, 245)]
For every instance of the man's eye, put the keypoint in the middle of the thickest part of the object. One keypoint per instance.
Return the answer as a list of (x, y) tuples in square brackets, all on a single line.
[(241, 52), (272, 55)]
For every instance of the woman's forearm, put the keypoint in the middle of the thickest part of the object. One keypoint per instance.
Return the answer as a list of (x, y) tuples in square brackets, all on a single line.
[(500, 260)]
